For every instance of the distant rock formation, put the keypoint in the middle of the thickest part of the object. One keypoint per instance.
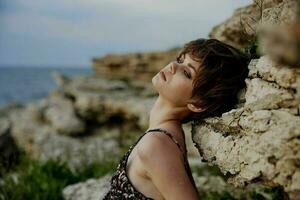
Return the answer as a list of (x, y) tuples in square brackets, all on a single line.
[(133, 66), (81, 122), (238, 31)]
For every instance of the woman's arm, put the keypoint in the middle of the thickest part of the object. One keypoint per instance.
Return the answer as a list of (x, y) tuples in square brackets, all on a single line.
[(165, 168)]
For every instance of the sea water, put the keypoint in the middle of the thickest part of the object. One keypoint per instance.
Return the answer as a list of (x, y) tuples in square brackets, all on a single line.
[(25, 84)]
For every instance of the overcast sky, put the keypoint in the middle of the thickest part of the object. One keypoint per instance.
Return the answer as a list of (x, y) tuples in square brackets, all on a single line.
[(69, 33)]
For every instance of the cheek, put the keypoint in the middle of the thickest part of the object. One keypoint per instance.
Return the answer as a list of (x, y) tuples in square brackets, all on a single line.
[(182, 86), (182, 90)]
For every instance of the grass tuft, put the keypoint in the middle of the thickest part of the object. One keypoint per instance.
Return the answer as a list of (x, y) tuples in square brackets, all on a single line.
[(35, 180)]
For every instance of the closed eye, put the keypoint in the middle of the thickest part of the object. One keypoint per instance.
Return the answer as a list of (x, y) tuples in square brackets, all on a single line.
[(188, 75)]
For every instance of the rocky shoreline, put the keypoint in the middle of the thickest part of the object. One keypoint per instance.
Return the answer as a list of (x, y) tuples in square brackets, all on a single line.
[(95, 118)]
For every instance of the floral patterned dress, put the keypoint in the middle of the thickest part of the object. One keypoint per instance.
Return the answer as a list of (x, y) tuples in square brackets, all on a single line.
[(122, 188)]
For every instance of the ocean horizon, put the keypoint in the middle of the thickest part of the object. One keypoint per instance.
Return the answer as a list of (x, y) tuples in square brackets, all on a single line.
[(25, 84)]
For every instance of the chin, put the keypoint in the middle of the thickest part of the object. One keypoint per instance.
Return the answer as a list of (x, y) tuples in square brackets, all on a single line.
[(154, 81), (154, 87)]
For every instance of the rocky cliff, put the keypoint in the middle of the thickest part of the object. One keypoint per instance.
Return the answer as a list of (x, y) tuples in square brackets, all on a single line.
[(260, 141)]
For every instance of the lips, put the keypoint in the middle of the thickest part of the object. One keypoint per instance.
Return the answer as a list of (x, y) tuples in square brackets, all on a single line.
[(162, 75)]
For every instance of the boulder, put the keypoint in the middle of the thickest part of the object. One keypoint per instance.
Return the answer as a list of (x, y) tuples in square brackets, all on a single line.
[(41, 141), (259, 141), (61, 115), (104, 101), (91, 189)]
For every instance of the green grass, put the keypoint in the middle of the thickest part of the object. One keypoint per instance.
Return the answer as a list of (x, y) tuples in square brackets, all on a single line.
[(274, 193), (215, 196), (277, 193), (46, 180), (207, 170)]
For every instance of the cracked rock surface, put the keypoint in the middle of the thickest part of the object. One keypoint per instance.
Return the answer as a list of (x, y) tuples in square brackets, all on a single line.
[(260, 140)]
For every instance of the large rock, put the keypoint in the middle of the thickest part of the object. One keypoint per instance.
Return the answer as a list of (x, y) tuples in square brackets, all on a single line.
[(41, 141), (60, 113), (107, 100), (92, 189), (272, 86), (265, 95), (242, 27), (259, 141), (268, 70)]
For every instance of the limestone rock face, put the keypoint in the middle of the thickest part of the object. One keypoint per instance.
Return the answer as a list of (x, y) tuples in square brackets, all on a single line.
[(260, 140), (133, 66), (271, 86), (245, 22), (280, 12), (268, 70)]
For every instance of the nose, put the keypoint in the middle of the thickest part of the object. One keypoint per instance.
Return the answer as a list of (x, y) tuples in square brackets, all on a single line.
[(173, 67)]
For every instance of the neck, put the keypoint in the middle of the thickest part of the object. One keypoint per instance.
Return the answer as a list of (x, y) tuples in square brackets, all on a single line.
[(165, 115)]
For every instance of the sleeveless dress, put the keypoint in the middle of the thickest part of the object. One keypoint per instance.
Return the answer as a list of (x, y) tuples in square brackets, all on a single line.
[(121, 187)]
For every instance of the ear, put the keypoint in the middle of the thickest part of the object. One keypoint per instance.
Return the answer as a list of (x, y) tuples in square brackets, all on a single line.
[(194, 108)]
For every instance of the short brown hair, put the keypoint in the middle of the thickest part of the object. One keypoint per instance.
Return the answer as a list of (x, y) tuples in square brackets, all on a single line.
[(219, 78)]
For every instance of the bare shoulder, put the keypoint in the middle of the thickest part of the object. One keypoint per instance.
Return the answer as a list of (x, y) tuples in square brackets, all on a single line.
[(159, 145), (164, 165)]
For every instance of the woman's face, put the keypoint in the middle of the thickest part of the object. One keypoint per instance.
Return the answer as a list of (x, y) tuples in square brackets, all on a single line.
[(174, 81)]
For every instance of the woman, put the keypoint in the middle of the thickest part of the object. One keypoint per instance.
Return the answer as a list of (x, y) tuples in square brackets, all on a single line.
[(202, 82)]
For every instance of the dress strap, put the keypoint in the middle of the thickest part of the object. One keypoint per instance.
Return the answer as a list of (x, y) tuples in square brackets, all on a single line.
[(170, 135), (186, 164)]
